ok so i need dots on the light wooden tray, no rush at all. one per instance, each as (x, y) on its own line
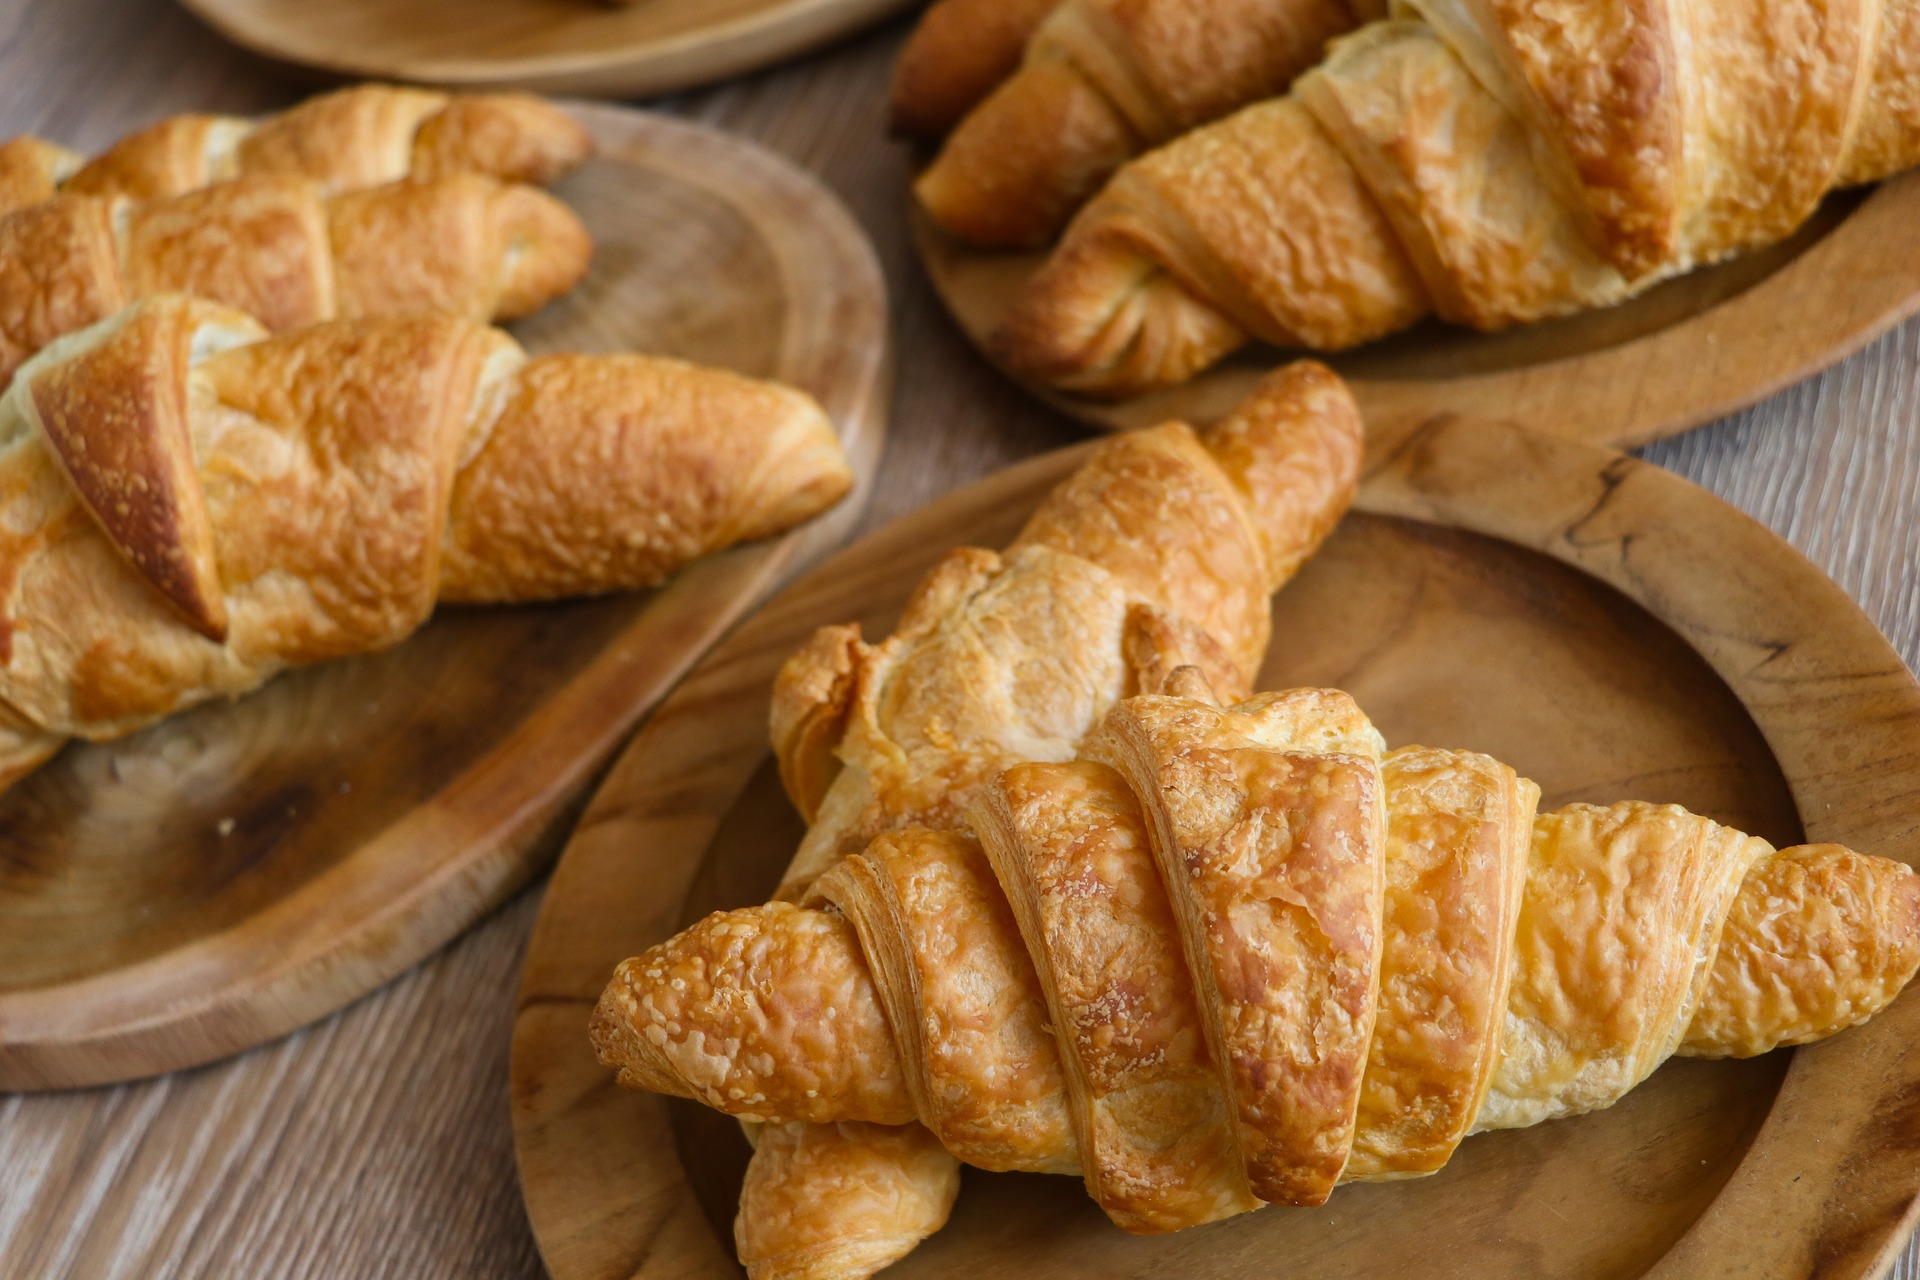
(1607, 628)
(246, 868)
(1687, 352)
(545, 46)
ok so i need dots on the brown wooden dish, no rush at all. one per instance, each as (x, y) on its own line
(545, 46)
(243, 869)
(1686, 352)
(1605, 626)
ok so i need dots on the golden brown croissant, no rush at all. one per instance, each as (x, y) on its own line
(1102, 81)
(192, 505)
(959, 51)
(363, 136)
(276, 249)
(1237, 955)
(1489, 163)
(1161, 550)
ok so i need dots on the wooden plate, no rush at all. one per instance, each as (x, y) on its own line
(1606, 627)
(1687, 352)
(546, 46)
(246, 868)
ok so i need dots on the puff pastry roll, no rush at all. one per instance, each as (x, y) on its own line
(1159, 552)
(958, 52)
(1276, 957)
(276, 249)
(1479, 160)
(193, 505)
(363, 136)
(1102, 81)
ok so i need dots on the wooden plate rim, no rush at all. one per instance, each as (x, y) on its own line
(1739, 351)
(1835, 703)
(642, 68)
(409, 890)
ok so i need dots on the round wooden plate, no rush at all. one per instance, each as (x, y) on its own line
(1686, 352)
(1606, 627)
(246, 868)
(546, 46)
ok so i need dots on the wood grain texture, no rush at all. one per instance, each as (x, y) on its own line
(1690, 350)
(377, 1142)
(232, 873)
(1608, 629)
(547, 46)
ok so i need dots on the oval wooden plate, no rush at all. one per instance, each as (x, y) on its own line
(1604, 626)
(546, 46)
(246, 868)
(1686, 352)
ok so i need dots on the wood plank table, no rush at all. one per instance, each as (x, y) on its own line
(376, 1143)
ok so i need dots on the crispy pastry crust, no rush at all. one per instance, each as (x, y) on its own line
(258, 245)
(1102, 81)
(834, 1202)
(672, 1020)
(1459, 828)
(961, 998)
(606, 473)
(1269, 828)
(171, 158)
(1819, 938)
(959, 51)
(1617, 931)
(1070, 847)
(270, 246)
(114, 416)
(31, 170)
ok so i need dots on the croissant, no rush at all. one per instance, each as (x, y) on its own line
(1102, 81)
(274, 248)
(192, 505)
(958, 52)
(1490, 162)
(1161, 550)
(1238, 955)
(363, 136)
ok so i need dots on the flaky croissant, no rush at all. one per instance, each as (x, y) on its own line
(1104, 80)
(1160, 550)
(1492, 162)
(363, 136)
(958, 52)
(276, 249)
(1237, 955)
(192, 505)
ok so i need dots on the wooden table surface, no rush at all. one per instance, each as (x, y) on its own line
(376, 1143)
